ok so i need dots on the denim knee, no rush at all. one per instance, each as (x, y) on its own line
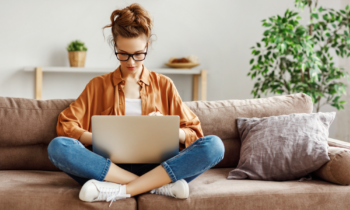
(53, 146)
(214, 147)
(56, 145)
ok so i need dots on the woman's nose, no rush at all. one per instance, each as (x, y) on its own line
(131, 61)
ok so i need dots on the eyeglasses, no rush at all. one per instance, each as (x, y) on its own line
(126, 56)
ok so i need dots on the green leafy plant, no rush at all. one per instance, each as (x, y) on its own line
(76, 46)
(294, 58)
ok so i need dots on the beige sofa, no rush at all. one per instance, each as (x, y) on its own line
(28, 180)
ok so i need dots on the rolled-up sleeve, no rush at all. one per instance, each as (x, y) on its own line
(189, 121)
(74, 120)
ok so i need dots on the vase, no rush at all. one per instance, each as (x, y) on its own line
(77, 58)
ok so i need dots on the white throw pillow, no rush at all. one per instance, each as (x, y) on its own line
(285, 147)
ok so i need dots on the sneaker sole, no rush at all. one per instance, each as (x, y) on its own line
(186, 187)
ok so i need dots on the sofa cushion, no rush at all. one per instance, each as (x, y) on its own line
(26, 128)
(29, 121)
(219, 117)
(35, 189)
(337, 170)
(211, 190)
(284, 147)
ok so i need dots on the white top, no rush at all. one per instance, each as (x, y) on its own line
(133, 106)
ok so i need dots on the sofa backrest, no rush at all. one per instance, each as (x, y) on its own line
(28, 125)
(26, 128)
(219, 117)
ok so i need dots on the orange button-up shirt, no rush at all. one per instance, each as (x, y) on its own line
(104, 95)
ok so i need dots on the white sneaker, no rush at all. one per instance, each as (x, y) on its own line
(178, 189)
(94, 190)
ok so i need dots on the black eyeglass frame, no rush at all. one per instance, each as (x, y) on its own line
(130, 55)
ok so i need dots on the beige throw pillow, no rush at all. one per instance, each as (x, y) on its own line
(280, 148)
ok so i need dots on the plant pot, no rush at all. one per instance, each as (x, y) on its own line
(77, 58)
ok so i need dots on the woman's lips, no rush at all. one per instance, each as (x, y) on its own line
(131, 68)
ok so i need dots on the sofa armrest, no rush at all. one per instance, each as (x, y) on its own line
(337, 170)
(338, 143)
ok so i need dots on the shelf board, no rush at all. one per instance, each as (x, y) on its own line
(107, 70)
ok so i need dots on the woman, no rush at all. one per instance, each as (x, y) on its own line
(131, 89)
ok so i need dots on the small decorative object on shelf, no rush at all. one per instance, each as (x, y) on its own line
(77, 53)
(183, 63)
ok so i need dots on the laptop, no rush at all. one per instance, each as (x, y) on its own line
(135, 139)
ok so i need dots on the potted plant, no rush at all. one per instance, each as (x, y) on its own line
(77, 53)
(292, 57)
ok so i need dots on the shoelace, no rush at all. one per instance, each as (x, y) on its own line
(111, 194)
(164, 190)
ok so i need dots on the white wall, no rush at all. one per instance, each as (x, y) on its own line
(220, 33)
(343, 120)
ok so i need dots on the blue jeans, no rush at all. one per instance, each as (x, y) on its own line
(71, 156)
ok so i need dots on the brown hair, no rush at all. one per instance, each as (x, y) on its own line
(131, 22)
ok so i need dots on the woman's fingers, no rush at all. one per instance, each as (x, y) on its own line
(157, 113)
(152, 113)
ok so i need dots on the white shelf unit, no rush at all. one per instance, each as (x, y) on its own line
(195, 72)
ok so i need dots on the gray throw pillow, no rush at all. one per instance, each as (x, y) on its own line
(284, 147)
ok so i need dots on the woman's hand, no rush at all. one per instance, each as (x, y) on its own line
(182, 135)
(157, 113)
(86, 138)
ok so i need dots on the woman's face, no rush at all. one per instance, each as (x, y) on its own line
(131, 46)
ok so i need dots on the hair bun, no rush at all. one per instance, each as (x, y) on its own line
(130, 22)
